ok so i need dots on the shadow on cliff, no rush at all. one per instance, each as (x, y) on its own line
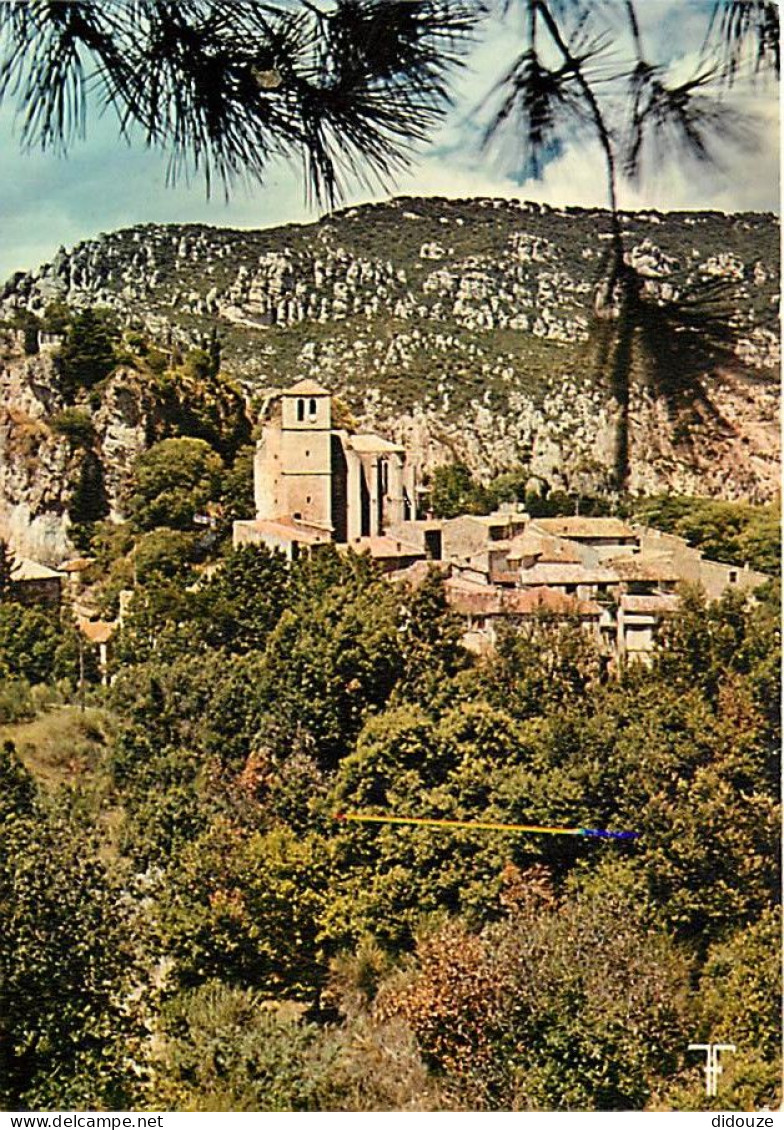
(675, 348)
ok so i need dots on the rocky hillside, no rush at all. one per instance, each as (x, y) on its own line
(465, 328)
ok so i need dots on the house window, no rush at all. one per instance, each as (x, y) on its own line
(312, 409)
(300, 410)
(733, 576)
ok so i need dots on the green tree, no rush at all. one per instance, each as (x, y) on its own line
(453, 491)
(68, 1034)
(342, 87)
(198, 364)
(30, 325)
(334, 655)
(225, 1049)
(164, 555)
(738, 1003)
(430, 643)
(18, 796)
(548, 663)
(246, 910)
(88, 502)
(75, 425)
(6, 571)
(741, 986)
(166, 799)
(57, 318)
(470, 764)
(237, 498)
(87, 355)
(173, 482)
(242, 602)
(581, 1006)
(29, 642)
(214, 352)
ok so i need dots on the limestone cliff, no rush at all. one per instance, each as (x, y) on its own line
(38, 466)
(462, 328)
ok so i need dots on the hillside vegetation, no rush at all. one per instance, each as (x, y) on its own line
(186, 924)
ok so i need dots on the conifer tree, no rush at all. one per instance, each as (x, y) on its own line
(6, 571)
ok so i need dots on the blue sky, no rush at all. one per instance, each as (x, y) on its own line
(46, 201)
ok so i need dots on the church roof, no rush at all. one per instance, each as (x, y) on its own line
(367, 442)
(307, 387)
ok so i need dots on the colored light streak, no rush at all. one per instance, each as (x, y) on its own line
(487, 826)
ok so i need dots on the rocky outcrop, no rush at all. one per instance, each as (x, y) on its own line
(459, 327)
(38, 466)
(34, 464)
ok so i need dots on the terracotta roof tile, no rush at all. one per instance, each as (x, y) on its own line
(416, 574)
(288, 529)
(546, 548)
(567, 574)
(367, 442)
(644, 568)
(657, 604)
(306, 387)
(580, 527)
(98, 631)
(489, 600)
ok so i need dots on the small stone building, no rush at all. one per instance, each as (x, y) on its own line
(36, 584)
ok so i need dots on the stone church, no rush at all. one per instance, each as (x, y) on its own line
(314, 482)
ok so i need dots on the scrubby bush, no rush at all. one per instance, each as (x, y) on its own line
(75, 425)
(16, 701)
(173, 482)
(87, 355)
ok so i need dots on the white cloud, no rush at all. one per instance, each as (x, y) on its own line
(104, 185)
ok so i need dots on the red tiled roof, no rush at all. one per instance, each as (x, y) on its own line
(655, 605)
(289, 529)
(545, 548)
(489, 600)
(567, 573)
(580, 527)
(98, 631)
(638, 568)
(306, 387)
(416, 574)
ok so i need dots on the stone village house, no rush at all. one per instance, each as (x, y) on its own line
(316, 483)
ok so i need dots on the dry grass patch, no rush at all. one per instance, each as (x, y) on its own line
(63, 745)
